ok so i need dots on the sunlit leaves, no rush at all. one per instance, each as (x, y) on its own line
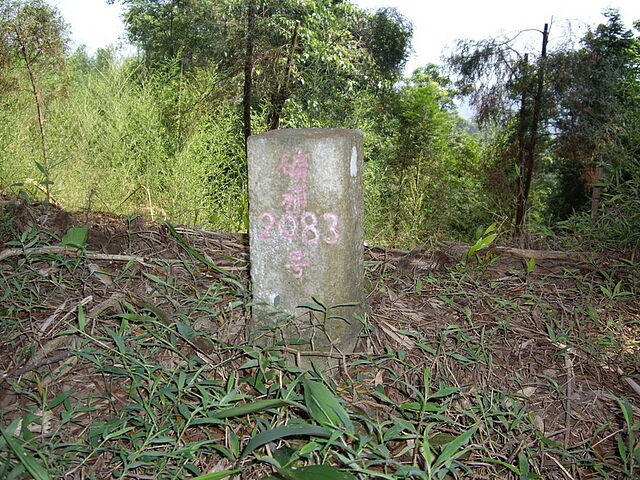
(35, 26)
(324, 407)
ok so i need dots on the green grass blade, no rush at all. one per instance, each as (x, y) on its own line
(300, 430)
(191, 251)
(315, 472)
(324, 407)
(218, 475)
(249, 408)
(28, 462)
(451, 451)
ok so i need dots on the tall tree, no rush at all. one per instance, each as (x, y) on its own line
(508, 89)
(387, 35)
(430, 163)
(33, 34)
(249, 61)
(528, 136)
(596, 89)
(191, 30)
(317, 51)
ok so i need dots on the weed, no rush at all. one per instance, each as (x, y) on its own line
(629, 441)
(484, 239)
(147, 375)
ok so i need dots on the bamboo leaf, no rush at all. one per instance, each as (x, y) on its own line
(312, 306)
(29, 462)
(82, 318)
(218, 475)
(249, 408)
(315, 472)
(451, 450)
(117, 339)
(76, 237)
(323, 406)
(484, 242)
(299, 430)
(41, 168)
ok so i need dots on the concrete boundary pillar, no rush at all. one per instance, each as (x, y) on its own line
(306, 230)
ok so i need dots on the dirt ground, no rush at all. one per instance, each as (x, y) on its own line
(560, 337)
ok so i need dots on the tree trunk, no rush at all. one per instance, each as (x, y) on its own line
(522, 147)
(597, 191)
(532, 147)
(44, 168)
(283, 91)
(248, 69)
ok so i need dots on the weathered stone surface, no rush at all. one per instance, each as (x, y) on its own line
(306, 216)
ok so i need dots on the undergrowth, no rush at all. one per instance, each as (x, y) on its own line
(136, 368)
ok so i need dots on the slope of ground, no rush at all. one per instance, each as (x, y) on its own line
(127, 359)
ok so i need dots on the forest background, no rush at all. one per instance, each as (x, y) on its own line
(550, 157)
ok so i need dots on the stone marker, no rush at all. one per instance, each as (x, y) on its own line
(306, 229)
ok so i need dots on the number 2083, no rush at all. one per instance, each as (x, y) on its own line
(306, 226)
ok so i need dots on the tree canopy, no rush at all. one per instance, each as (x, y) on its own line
(571, 108)
(554, 143)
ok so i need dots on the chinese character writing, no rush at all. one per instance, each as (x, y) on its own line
(296, 264)
(296, 166)
(295, 199)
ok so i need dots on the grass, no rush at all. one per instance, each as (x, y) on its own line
(136, 367)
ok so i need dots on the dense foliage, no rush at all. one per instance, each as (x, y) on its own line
(119, 366)
(164, 131)
(572, 113)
